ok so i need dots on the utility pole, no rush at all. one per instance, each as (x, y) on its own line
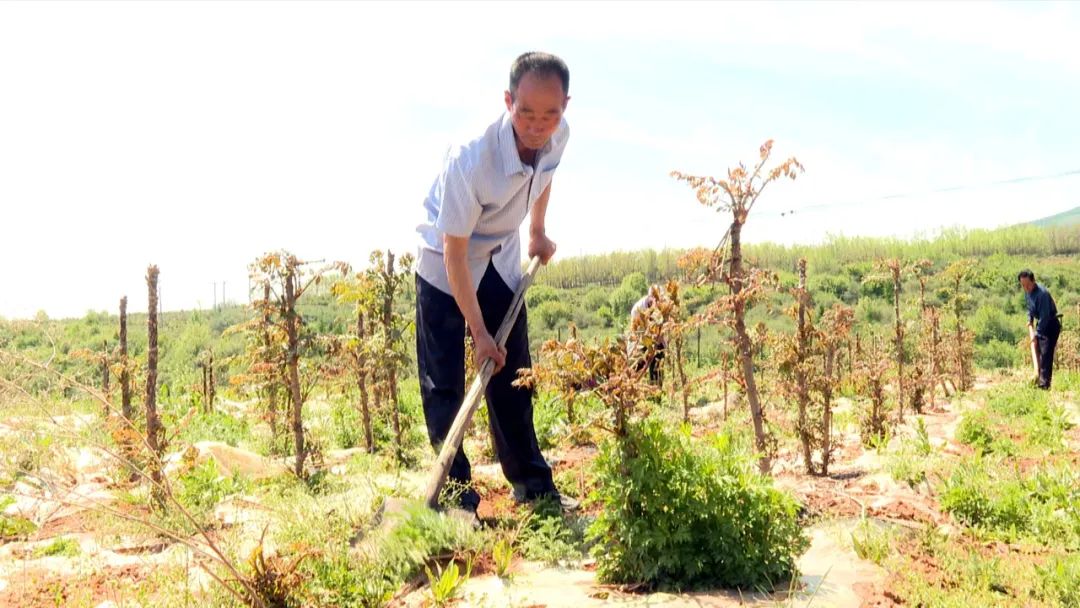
(223, 294)
(215, 296)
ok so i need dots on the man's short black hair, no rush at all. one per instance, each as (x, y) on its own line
(541, 64)
(1026, 274)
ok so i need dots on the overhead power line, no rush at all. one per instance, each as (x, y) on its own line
(907, 195)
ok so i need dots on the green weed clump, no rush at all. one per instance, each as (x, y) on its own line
(1059, 581)
(1017, 401)
(397, 552)
(446, 583)
(548, 536)
(1029, 410)
(348, 429)
(680, 513)
(1002, 503)
(13, 526)
(202, 487)
(214, 426)
(977, 430)
(974, 430)
(915, 457)
(63, 547)
(872, 542)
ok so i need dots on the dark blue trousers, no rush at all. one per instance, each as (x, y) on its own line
(440, 357)
(1047, 343)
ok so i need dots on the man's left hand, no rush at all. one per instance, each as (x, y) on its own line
(540, 245)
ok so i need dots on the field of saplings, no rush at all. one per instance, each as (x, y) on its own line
(847, 424)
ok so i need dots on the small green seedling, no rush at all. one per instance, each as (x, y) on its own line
(447, 584)
(503, 555)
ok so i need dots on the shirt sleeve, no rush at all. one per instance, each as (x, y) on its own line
(459, 209)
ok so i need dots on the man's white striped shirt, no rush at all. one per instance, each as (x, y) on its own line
(485, 192)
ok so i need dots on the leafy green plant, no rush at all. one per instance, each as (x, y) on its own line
(202, 487)
(548, 420)
(633, 286)
(215, 426)
(502, 555)
(982, 574)
(607, 317)
(553, 313)
(1068, 380)
(574, 482)
(908, 466)
(539, 294)
(348, 430)
(13, 526)
(1046, 427)
(392, 555)
(990, 324)
(447, 584)
(963, 578)
(922, 444)
(420, 534)
(976, 430)
(871, 541)
(1043, 423)
(1044, 506)
(66, 547)
(997, 355)
(978, 499)
(547, 536)
(1053, 497)
(346, 583)
(1003, 446)
(1015, 402)
(682, 514)
(595, 298)
(870, 311)
(1059, 581)
(878, 442)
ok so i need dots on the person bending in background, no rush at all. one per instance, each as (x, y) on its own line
(1041, 307)
(642, 308)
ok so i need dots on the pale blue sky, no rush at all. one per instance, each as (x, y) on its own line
(212, 132)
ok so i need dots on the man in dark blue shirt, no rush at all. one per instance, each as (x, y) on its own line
(1041, 306)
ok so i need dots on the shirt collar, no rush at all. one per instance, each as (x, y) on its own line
(508, 147)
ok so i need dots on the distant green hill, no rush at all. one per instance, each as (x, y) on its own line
(1065, 218)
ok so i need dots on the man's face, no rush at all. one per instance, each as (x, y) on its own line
(1027, 284)
(537, 108)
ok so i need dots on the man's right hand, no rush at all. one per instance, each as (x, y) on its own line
(485, 348)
